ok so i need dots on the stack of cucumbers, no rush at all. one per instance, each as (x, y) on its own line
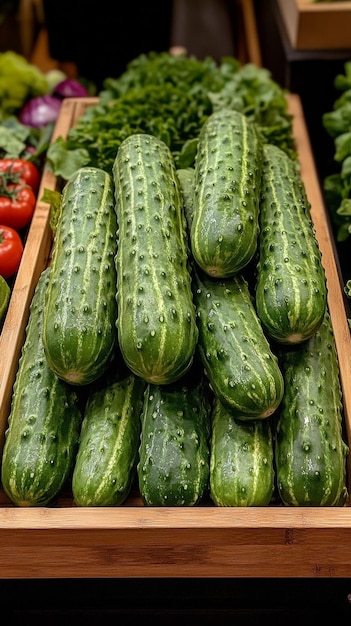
(185, 317)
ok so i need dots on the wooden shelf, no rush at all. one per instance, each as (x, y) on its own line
(317, 25)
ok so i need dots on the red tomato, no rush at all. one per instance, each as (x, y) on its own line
(20, 170)
(17, 204)
(11, 250)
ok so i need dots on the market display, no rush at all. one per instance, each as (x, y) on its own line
(203, 360)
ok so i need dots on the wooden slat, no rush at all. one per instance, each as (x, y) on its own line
(317, 25)
(251, 32)
(153, 542)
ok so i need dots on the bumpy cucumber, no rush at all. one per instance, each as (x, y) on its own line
(156, 316)
(310, 451)
(80, 312)
(241, 464)
(291, 287)
(44, 422)
(241, 367)
(186, 177)
(109, 441)
(173, 468)
(226, 194)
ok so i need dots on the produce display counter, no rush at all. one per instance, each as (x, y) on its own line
(132, 540)
(303, 70)
(317, 25)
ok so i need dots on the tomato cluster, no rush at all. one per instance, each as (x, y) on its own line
(19, 185)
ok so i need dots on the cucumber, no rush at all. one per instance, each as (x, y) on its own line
(186, 177)
(41, 439)
(291, 291)
(310, 451)
(79, 332)
(242, 369)
(228, 166)
(241, 463)
(174, 455)
(156, 323)
(5, 294)
(109, 441)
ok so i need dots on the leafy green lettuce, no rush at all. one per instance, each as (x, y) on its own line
(337, 186)
(171, 97)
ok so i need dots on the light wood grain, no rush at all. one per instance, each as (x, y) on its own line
(317, 25)
(65, 541)
(251, 32)
(176, 543)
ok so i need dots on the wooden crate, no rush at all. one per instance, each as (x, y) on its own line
(66, 541)
(317, 25)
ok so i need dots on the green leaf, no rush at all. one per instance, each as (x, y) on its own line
(186, 157)
(338, 121)
(343, 232)
(54, 199)
(345, 207)
(346, 167)
(65, 162)
(342, 147)
(10, 146)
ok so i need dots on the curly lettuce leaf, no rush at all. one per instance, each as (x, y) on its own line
(171, 97)
(64, 161)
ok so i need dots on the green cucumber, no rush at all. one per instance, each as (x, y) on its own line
(174, 455)
(109, 442)
(310, 451)
(228, 165)
(41, 439)
(242, 369)
(156, 323)
(80, 311)
(186, 177)
(5, 294)
(241, 464)
(291, 291)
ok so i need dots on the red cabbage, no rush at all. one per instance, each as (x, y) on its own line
(70, 88)
(40, 111)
